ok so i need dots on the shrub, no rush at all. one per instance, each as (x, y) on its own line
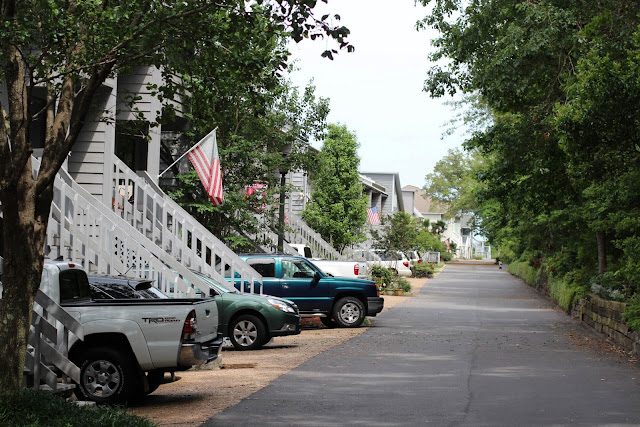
(400, 282)
(631, 314)
(564, 292)
(32, 408)
(446, 256)
(421, 270)
(381, 275)
(609, 286)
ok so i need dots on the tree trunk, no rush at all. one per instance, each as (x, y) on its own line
(602, 254)
(23, 242)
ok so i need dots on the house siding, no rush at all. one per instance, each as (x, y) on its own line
(148, 105)
(391, 204)
(92, 152)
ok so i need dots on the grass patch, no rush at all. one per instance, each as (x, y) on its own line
(39, 409)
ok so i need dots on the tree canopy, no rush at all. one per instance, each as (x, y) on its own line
(560, 79)
(338, 207)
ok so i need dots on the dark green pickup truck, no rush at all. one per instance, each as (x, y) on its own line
(338, 301)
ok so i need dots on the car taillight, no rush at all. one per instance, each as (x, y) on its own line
(190, 326)
(356, 269)
(405, 263)
(419, 261)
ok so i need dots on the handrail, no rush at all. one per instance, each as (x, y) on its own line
(87, 232)
(302, 233)
(50, 344)
(148, 209)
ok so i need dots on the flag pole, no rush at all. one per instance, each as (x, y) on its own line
(188, 151)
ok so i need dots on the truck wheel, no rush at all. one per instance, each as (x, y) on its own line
(107, 377)
(348, 312)
(247, 332)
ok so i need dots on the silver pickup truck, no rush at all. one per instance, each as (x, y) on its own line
(129, 344)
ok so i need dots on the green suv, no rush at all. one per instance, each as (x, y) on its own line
(249, 320)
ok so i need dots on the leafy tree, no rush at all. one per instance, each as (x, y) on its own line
(453, 181)
(338, 207)
(69, 48)
(251, 150)
(561, 82)
(427, 241)
(399, 233)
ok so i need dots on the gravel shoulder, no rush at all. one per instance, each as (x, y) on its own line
(199, 394)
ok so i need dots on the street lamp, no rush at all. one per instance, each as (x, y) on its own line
(283, 169)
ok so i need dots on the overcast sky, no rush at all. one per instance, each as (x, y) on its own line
(377, 90)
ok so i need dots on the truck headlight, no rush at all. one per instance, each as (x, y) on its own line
(281, 305)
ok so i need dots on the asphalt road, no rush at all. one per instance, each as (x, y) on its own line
(476, 347)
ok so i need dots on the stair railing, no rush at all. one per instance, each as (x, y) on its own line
(147, 208)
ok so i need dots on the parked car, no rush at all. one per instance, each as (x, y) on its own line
(414, 258)
(249, 320)
(129, 345)
(395, 260)
(336, 268)
(337, 301)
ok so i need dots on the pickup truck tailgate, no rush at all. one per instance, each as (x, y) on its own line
(207, 318)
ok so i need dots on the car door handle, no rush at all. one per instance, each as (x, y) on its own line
(285, 285)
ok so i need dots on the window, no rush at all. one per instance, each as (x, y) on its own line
(296, 268)
(265, 266)
(74, 285)
(131, 143)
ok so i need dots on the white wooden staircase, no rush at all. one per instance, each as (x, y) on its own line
(143, 233)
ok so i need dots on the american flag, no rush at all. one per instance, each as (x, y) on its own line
(204, 158)
(373, 215)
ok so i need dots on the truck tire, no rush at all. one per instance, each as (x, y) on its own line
(107, 377)
(348, 312)
(247, 332)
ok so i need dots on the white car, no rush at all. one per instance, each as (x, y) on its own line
(414, 257)
(395, 260)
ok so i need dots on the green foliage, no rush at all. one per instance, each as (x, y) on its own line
(399, 233)
(400, 282)
(446, 256)
(610, 286)
(564, 290)
(429, 242)
(561, 161)
(564, 293)
(423, 269)
(27, 407)
(453, 182)
(338, 207)
(631, 314)
(250, 144)
(525, 271)
(381, 275)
